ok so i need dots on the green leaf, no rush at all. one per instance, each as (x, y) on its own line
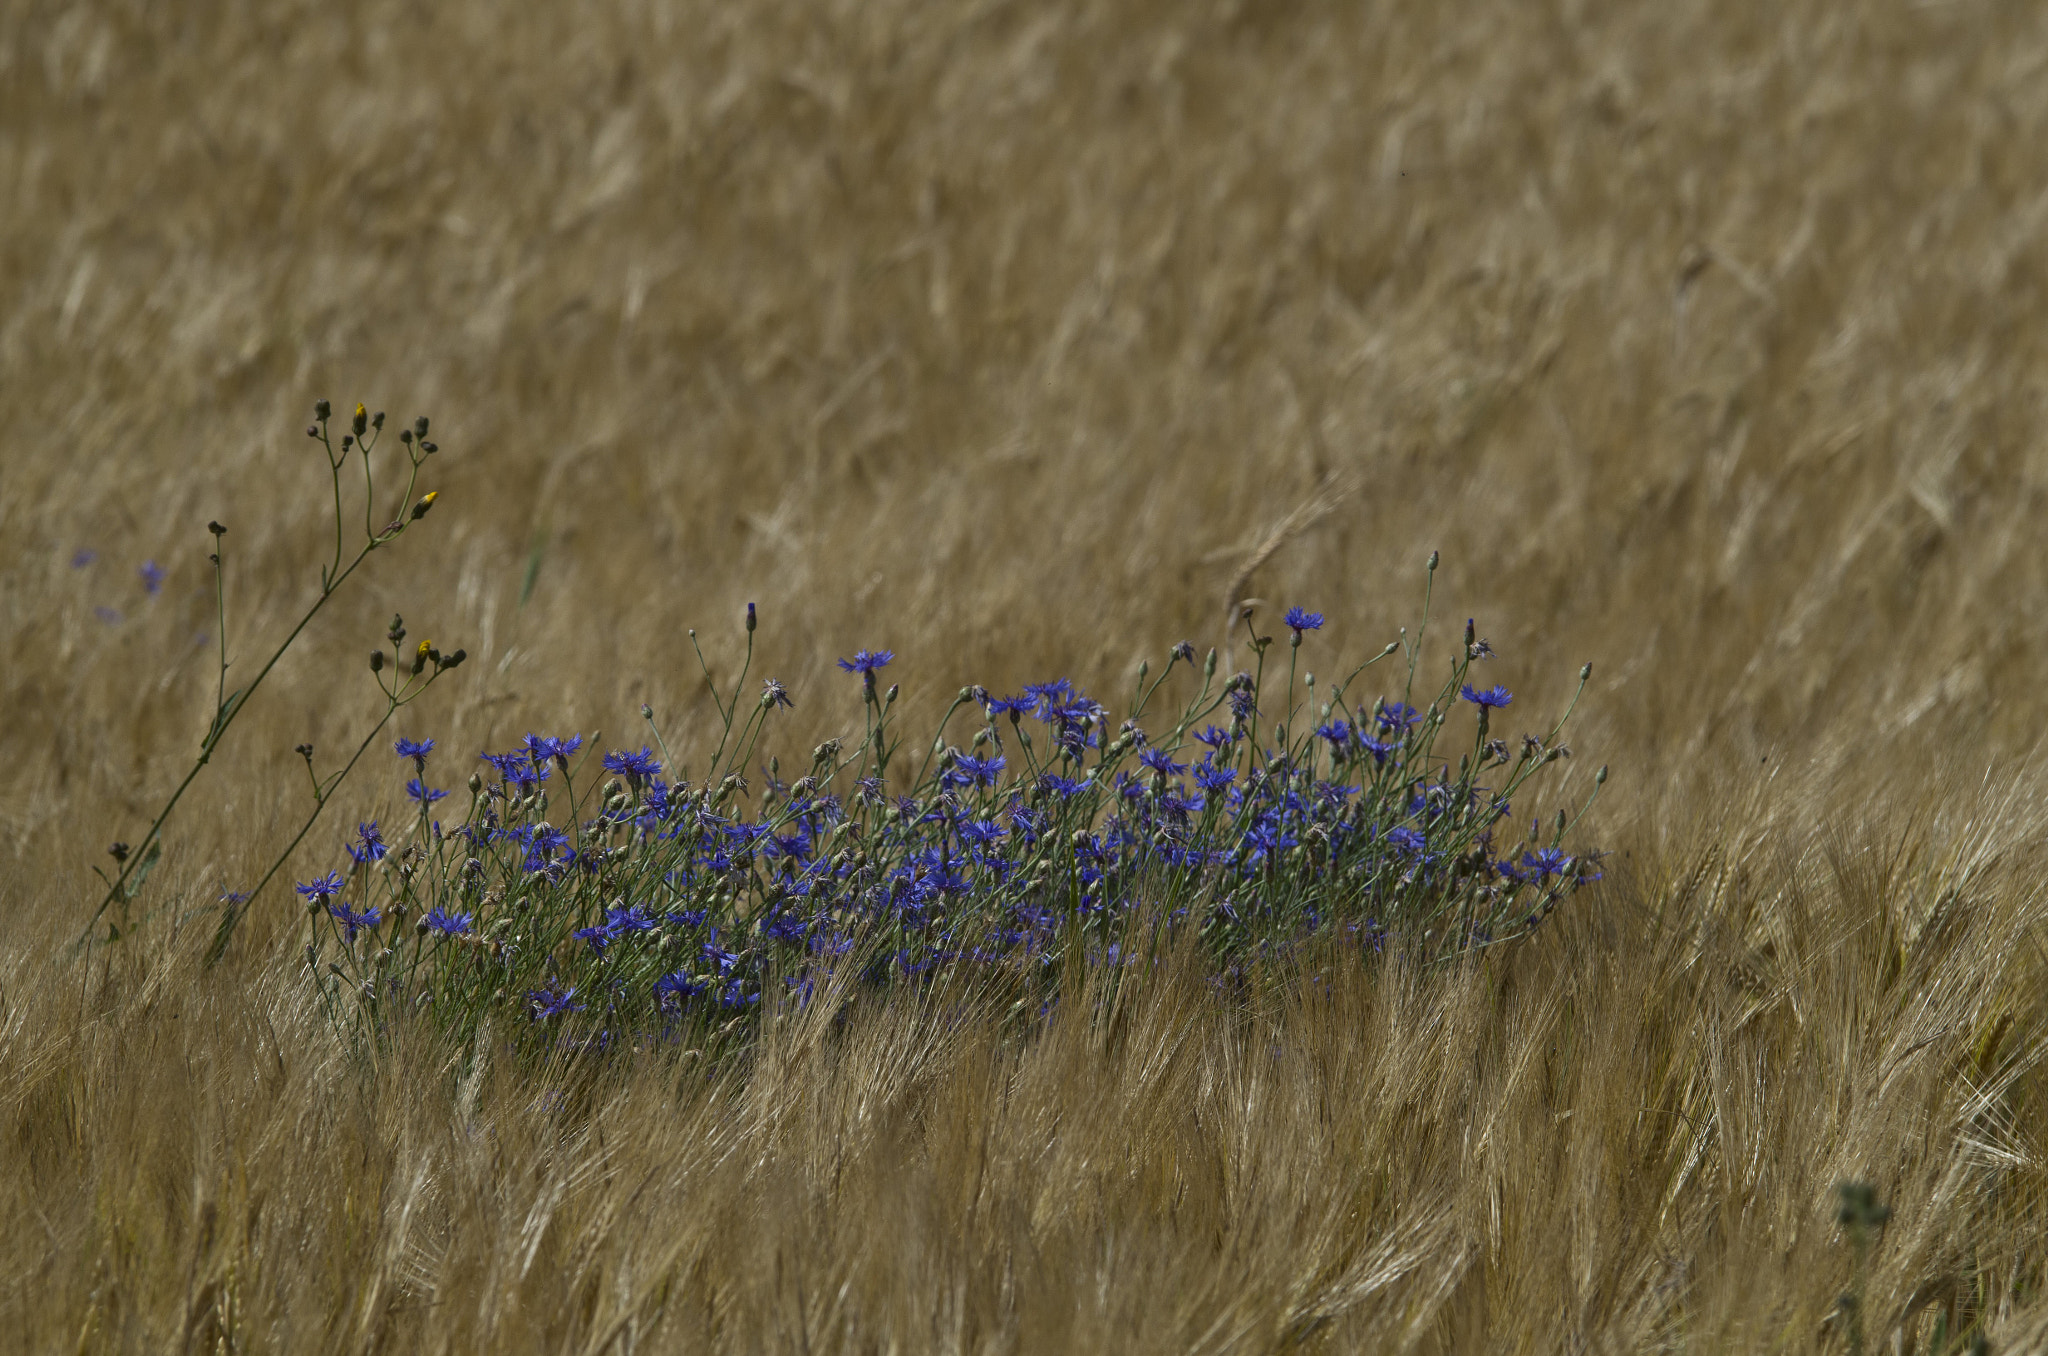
(143, 868)
(222, 716)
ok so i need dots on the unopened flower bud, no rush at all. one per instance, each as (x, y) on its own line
(889, 697)
(476, 784)
(419, 510)
(361, 421)
(377, 421)
(1600, 777)
(312, 957)
(1432, 562)
(750, 619)
(405, 436)
(1585, 673)
(376, 661)
(1209, 665)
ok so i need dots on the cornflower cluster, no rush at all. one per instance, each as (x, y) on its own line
(657, 905)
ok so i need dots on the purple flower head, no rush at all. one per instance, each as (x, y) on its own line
(541, 748)
(369, 845)
(1162, 762)
(415, 749)
(424, 794)
(867, 661)
(1395, 716)
(152, 577)
(1408, 840)
(1338, 732)
(1299, 621)
(1492, 698)
(551, 1002)
(967, 770)
(1066, 788)
(620, 921)
(1546, 863)
(1215, 737)
(351, 921)
(449, 924)
(635, 767)
(517, 769)
(321, 887)
(774, 694)
(677, 987)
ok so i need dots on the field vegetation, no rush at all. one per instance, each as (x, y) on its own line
(1702, 340)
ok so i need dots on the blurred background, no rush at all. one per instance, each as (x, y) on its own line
(1024, 340)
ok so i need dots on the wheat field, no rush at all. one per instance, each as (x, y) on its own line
(1703, 341)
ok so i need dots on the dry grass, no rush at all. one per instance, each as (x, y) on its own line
(1703, 339)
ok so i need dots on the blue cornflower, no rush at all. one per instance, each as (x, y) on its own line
(1298, 621)
(633, 766)
(351, 921)
(1338, 732)
(517, 769)
(1215, 737)
(1268, 839)
(1493, 697)
(551, 1002)
(1059, 692)
(598, 937)
(424, 794)
(967, 770)
(415, 749)
(1244, 698)
(541, 748)
(867, 661)
(1395, 716)
(1162, 762)
(449, 924)
(1066, 788)
(981, 832)
(774, 694)
(1378, 748)
(1008, 706)
(369, 845)
(1410, 841)
(321, 887)
(152, 577)
(1212, 778)
(1547, 863)
(678, 986)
